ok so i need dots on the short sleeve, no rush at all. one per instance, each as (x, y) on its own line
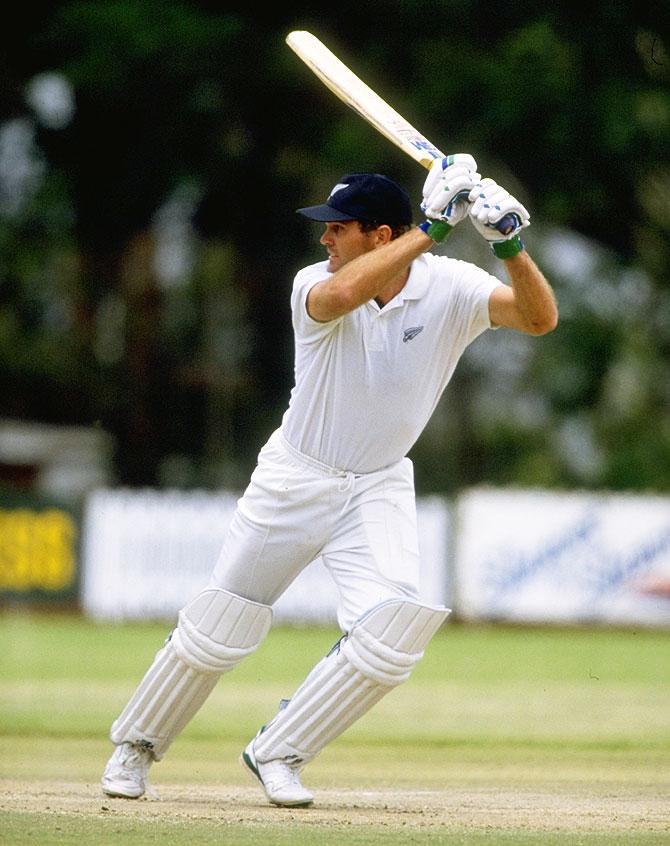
(305, 327)
(475, 289)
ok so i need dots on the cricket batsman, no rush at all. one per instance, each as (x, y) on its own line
(379, 327)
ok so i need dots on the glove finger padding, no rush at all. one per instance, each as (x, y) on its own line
(439, 166)
(447, 186)
(486, 202)
(489, 203)
(510, 205)
(455, 184)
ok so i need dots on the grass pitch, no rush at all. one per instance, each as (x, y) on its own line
(501, 736)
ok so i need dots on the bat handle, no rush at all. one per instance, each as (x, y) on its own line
(507, 224)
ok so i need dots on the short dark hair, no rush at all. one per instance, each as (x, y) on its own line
(396, 231)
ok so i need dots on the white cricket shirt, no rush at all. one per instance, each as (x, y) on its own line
(367, 383)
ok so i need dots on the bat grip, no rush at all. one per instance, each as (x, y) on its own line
(507, 224)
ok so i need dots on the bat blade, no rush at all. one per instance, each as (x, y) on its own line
(351, 89)
(344, 83)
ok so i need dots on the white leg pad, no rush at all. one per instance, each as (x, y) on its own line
(378, 654)
(216, 630)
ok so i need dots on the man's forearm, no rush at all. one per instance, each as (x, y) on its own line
(365, 277)
(534, 297)
(370, 273)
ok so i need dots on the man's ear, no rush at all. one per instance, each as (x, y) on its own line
(383, 234)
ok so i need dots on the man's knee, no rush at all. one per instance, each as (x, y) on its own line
(388, 642)
(217, 629)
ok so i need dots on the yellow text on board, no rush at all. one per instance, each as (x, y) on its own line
(37, 550)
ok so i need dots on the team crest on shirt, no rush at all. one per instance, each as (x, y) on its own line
(412, 332)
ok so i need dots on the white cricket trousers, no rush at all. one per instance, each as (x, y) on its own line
(295, 509)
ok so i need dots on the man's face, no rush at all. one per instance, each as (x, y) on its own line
(344, 241)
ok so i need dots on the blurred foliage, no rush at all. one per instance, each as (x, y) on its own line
(148, 244)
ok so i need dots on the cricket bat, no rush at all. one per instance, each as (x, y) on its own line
(344, 83)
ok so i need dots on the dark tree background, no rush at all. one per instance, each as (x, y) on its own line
(148, 240)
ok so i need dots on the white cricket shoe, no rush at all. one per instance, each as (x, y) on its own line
(279, 780)
(127, 772)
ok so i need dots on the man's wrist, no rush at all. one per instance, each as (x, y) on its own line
(436, 229)
(507, 249)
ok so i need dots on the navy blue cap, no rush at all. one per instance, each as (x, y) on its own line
(368, 197)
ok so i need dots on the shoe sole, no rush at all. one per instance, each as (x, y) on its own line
(116, 794)
(249, 767)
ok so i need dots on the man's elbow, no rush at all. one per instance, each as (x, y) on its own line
(543, 325)
(325, 303)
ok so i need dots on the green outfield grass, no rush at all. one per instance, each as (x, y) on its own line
(503, 735)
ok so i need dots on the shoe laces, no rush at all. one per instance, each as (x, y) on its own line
(135, 758)
(281, 774)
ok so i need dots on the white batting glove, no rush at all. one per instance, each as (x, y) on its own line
(490, 203)
(445, 193)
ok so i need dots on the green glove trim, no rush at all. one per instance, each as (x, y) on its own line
(436, 229)
(507, 249)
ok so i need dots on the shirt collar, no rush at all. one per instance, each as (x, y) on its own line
(416, 285)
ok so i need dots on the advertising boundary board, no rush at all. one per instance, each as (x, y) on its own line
(534, 556)
(525, 556)
(40, 551)
(146, 553)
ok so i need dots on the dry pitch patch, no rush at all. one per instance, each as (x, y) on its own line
(481, 808)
